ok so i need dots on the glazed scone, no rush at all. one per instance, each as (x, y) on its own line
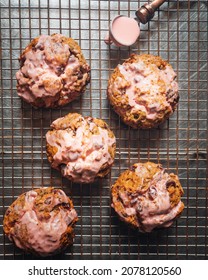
(143, 91)
(53, 71)
(82, 148)
(41, 221)
(146, 197)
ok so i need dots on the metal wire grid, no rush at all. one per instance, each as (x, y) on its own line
(178, 33)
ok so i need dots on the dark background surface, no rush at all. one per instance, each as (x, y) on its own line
(177, 33)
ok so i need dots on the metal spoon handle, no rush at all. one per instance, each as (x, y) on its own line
(147, 11)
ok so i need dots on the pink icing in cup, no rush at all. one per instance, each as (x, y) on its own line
(124, 31)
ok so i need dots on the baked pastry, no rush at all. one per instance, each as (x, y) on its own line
(53, 71)
(143, 91)
(146, 197)
(82, 148)
(41, 221)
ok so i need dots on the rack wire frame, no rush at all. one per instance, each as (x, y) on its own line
(178, 33)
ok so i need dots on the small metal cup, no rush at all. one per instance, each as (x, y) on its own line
(144, 14)
(111, 38)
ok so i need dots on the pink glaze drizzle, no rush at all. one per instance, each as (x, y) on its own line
(153, 207)
(142, 88)
(82, 156)
(43, 235)
(39, 76)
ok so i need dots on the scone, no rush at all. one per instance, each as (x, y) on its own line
(53, 71)
(143, 91)
(41, 221)
(146, 197)
(82, 148)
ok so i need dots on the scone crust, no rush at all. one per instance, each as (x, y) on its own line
(139, 187)
(143, 91)
(28, 218)
(70, 126)
(53, 71)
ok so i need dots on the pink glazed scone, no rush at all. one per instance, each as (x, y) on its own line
(41, 221)
(143, 91)
(82, 148)
(53, 71)
(146, 197)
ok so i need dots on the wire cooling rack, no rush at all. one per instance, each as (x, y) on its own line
(178, 33)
